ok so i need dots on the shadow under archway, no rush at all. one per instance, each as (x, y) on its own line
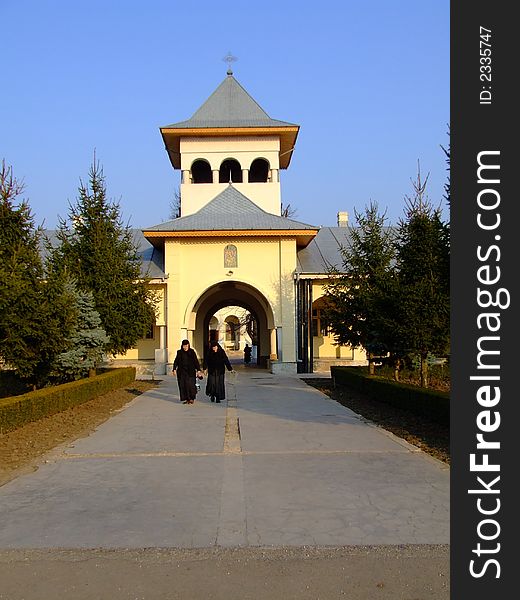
(234, 293)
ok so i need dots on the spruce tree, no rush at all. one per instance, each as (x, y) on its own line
(57, 318)
(35, 317)
(423, 256)
(447, 185)
(356, 294)
(98, 252)
(86, 342)
(20, 276)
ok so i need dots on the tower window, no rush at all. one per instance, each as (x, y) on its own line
(230, 170)
(201, 172)
(259, 171)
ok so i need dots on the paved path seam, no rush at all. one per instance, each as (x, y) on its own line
(232, 519)
(232, 443)
(224, 452)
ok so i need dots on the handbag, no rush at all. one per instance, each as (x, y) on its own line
(197, 384)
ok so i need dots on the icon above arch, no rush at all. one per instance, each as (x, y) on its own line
(230, 256)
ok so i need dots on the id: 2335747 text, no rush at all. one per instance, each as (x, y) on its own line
(485, 65)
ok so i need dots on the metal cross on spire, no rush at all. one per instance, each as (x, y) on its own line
(229, 59)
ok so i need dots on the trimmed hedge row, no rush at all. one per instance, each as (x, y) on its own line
(431, 404)
(19, 410)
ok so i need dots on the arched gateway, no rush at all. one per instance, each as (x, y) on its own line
(231, 246)
(236, 293)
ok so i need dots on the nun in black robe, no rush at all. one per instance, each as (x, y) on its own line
(186, 366)
(216, 363)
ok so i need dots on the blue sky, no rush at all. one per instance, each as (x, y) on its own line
(368, 82)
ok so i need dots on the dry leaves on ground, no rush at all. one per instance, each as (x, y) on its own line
(21, 449)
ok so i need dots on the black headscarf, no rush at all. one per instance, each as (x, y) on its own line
(185, 355)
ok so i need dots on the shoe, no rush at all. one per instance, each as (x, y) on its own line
(185, 401)
(191, 401)
(218, 401)
(213, 398)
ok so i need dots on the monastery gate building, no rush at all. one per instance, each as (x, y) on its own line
(231, 246)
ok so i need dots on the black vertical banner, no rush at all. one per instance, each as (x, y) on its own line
(485, 423)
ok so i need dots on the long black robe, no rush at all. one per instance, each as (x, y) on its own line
(216, 363)
(186, 364)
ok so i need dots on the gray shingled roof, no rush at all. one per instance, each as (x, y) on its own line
(230, 210)
(152, 260)
(324, 251)
(229, 106)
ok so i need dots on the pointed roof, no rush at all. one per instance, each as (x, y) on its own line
(230, 106)
(230, 110)
(231, 212)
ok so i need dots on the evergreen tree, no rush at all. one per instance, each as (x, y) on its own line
(20, 276)
(356, 295)
(423, 257)
(35, 317)
(447, 185)
(57, 317)
(98, 252)
(86, 342)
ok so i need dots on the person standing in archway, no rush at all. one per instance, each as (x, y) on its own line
(186, 366)
(216, 363)
(247, 354)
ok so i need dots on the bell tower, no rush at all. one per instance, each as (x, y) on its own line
(230, 139)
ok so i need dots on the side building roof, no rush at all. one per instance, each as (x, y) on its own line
(152, 259)
(324, 251)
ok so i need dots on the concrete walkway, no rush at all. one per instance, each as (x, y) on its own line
(278, 464)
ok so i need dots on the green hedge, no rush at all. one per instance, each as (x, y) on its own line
(19, 410)
(431, 404)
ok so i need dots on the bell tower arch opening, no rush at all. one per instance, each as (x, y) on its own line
(201, 171)
(259, 171)
(230, 171)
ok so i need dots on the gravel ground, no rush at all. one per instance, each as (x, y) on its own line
(347, 573)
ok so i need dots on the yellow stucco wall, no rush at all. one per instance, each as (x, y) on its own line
(145, 349)
(160, 293)
(195, 265)
(324, 347)
(266, 266)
